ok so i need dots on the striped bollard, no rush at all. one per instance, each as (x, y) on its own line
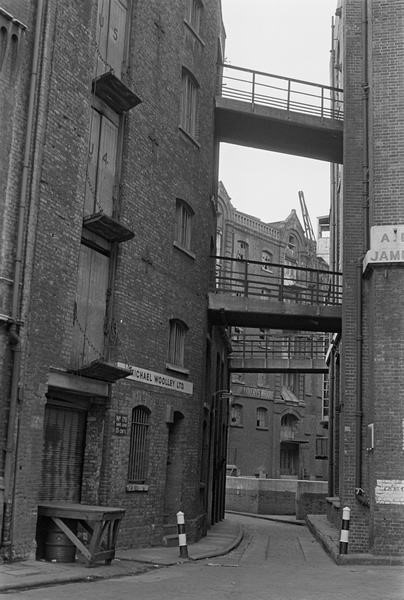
(182, 537)
(343, 540)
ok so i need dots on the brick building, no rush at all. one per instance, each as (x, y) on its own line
(277, 420)
(110, 371)
(367, 216)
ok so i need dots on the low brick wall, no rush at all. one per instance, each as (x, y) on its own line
(276, 496)
(311, 498)
(334, 513)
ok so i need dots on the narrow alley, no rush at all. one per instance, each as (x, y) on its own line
(274, 561)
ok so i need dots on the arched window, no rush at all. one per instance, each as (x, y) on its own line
(262, 418)
(176, 344)
(288, 426)
(139, 445)
(236, 415)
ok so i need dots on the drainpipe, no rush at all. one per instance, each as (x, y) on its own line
(360, 494)
(331, 441)
(14, 329)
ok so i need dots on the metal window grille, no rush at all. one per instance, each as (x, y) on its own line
(177, 343)
(139, 445)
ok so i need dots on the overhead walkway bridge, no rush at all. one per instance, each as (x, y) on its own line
(276, 113)
(248, 293)
(268, 353)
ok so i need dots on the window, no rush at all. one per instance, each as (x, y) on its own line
(325, 398)
(290, 274)
(322, 448)
(101, 166)
(292, 243)
(242, 250)
(176, 344)
(236, 415)
(194, 13)
(183, 224)
(266, 257)
(289, 425)
(262, 418)
(189, 101)
(139, 445)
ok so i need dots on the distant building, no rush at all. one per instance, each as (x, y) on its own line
(323, 238)
(277, 425)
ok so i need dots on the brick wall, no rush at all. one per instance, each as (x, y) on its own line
(380, 527)
(154, 280)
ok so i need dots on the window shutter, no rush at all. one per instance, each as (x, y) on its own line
(116, 35)
(88, 336)
(63, 454)
(102, 35)
(91, 183)
(106, 164)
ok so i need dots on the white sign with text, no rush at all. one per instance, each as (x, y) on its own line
(386, 245)
(159, 379)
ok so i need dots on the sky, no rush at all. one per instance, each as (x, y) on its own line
(290, 38)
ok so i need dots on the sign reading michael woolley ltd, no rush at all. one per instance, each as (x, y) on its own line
(386, 245)
(160, 380)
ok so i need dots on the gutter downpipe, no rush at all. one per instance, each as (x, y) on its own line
(360, 494)
(331, 402)
(14, 329)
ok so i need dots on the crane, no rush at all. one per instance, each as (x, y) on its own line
(308, 227)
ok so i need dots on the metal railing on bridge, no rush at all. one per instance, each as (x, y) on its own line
(266, 89)
(273, 281)
(270, 347)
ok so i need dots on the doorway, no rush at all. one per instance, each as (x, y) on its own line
(175, 468)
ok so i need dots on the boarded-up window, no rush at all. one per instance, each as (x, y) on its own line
(176, 345)
(90, 309)
(63, 453)
(111, 31)
(189, 100)
(101, 165)
(139, 445)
